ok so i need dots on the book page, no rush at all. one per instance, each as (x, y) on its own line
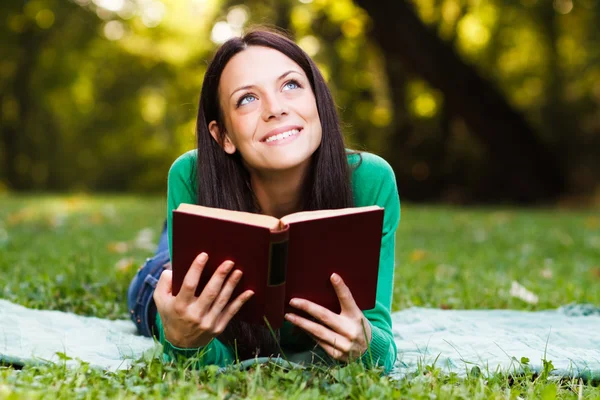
(264, 221)
(319, 214)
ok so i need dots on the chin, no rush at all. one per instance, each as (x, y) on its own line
(289, 163)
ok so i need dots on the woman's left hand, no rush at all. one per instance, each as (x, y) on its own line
(345, 336)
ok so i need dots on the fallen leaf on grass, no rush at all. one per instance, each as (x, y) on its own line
(118, 247)
(520, 292)
(501, 217)
(480, 235)
(57, 220)
(124, 264)
(445, 272)
(546, 273)
(592, 223)
(144, 239)
(417, 255)
(96, 218)
(109, 211)
(3, 237)
(22, 215)
(593, 241)
(75, 203)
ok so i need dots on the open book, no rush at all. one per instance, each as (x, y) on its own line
(282, 258)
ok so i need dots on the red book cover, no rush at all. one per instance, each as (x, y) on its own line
(282, 259)
(347, 245)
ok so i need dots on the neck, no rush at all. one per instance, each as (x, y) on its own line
(279, 193)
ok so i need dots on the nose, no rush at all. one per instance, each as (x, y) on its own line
(273, 107)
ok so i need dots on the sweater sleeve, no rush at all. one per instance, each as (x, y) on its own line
(374, 183)
(181, 189)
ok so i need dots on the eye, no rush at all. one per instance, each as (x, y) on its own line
(246, 99)
(291, 85)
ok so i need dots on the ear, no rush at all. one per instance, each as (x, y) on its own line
(215, 132)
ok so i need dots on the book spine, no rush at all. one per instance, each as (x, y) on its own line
(276, 277)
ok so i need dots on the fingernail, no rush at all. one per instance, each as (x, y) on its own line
(293, 302)
(289, 317)
(202, 257)
(335, 278)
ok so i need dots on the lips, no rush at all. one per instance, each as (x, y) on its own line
(281, 133)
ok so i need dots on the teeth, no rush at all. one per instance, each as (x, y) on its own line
(282, 135)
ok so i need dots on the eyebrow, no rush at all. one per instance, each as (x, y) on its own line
(251, 86)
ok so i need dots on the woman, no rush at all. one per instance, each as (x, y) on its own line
(268, 142)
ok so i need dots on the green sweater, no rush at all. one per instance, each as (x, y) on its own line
(373, 183)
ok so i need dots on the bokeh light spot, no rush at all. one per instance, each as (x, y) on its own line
(114, 30)
(381, 116)
(110, 5)
(424, 105)
(352, 27)
(44, 19)
(221, 32)
(310, 45)
(563, 6)
(472, 34)
(237, 17)
(153, 106)
(153, 13)
(301, 17)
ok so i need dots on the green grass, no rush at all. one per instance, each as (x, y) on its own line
(78, 254)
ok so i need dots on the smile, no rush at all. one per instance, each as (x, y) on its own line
(283, 135)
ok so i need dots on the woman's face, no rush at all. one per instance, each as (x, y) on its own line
(269, 109)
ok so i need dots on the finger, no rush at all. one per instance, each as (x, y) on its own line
(225, 294)
(213, 287)
(333, 351)
(163, 288)
(327, 317)
(344, 295)
(320, 332)
(232, 309)
(192, 278)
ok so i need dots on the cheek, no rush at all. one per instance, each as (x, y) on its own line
(315, 120)
(310, 111)
(242, 128)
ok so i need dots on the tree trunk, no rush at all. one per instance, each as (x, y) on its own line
(524, 168)
(13, 131)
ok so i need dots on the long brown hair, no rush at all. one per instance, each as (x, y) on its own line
(222, 180)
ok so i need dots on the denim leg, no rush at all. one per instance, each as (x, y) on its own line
(140, 302)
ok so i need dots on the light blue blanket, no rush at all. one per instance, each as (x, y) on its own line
(456, 340)
(497, 340)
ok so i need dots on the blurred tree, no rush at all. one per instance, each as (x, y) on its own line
(96, 98)
(521, 166)
(469, 100)
(29, 30)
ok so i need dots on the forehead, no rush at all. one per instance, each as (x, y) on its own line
(255, 65)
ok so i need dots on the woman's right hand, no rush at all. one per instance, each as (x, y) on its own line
(190, 321)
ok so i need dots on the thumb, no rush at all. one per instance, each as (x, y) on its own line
(165, 283)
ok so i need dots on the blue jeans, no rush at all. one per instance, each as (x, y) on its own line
(140, 302)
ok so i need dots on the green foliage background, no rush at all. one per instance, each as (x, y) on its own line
(102, 95)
